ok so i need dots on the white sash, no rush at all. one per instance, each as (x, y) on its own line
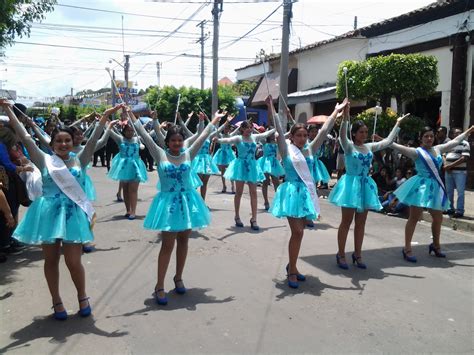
(69, 185)
(428, 160)
(299, 163)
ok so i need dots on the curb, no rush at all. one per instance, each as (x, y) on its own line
(453, 223)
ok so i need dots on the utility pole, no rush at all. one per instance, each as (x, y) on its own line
(201, 40)
(113, 89)
(72, 92)
(126, 69)
(215, 53)
(355, 22)
(158, 72)
(285, 43)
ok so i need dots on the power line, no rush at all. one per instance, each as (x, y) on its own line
(184, 55)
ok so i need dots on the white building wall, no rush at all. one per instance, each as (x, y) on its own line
(318, 67)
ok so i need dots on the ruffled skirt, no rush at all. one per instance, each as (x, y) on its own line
(422, 192)
(177, 211)
(245, 170)
(223, 156)
(127, 169)
(203, 164)
(319, 172)
(353, 191)
(292, 199)
(51, 218)
(271, 165)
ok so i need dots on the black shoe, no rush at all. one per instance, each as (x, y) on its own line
(458, 215)
(449, 212)
(3, 257)
(13, 250)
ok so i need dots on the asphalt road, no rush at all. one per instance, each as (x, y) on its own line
(238, 300)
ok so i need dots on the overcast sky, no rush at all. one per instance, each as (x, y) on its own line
(168, 30)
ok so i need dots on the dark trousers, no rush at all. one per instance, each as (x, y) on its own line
(100, 153)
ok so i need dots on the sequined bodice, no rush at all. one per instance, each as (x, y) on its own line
(270, 150)
(246, 150)
(50, 189)
(175, 178)
(290, 172)
(129, 150)
(422, 170)
(357, 163)
(205, 147)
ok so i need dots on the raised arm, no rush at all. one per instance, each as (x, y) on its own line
(222, 126)
(281, 141)
(446, 147)
(190, 140)
(190, 115)
(36, 155)
(346, 144)
(194, 148)
(160, 137)
(86, 154)
(327, 126)
(384, 143)
(187, 131)
(406, 151)
(103, 140)
(155, 150)
(262, 136)
(42, 136)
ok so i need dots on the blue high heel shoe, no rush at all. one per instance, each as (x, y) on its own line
(180, 290)
(238, 222)
(299, 277)
(162, 301)
(437, 251)
(86, 311)
(293, 284)
(342, 264)
(62, 315)
(254, 226)
(410, 258)
(358, 261)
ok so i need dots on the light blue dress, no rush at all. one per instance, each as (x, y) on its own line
(202, 162)
(244, 167)
(89, 187)
(177, 206)
(269, 163)
(292, 198)
(224, 155)
(127, 165)
(422, 190)
(54, 216)
(356, 189)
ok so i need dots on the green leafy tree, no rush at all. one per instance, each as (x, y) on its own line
(164, 99)
(16, 17)
(404, 76)
(245, 87)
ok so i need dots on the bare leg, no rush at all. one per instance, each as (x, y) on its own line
(133, 196)
(72, 256)
(222, 170)
(276, 182)
(126, 196)
(119, 192)
(415, 214)
(297, 231)
(205, 180)
(436, 227)
(346, 221)
(265, 184)
(167, 246)
(253, 200)
(181, 252)
(239, 189)
(52, 254)
(359, 230)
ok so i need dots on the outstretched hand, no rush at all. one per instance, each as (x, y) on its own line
(114, 109)
(230, 118)
(217, 117)
(340, 106)
(400, 119)
(5, 103)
